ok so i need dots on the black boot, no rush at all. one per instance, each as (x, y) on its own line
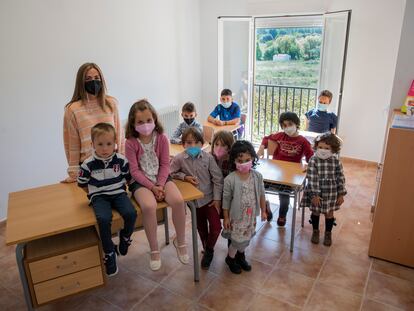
(241, 260)
(207, 258)
(233, 265)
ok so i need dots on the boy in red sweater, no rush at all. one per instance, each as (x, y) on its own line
(290, 147)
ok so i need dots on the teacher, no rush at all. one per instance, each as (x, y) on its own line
(89, 105)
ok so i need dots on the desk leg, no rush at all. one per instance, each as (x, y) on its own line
(195, 243)
(303, 217)
(22, 273)
(167, 233)
(292, 236)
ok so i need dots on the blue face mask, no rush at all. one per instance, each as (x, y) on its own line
(322, 107)
(193, 151)
(226, 105)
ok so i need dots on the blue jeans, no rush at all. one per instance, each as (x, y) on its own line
(102, 206)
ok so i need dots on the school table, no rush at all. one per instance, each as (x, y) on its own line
(287, 178)
(60, 208)
(178, 148)
(218, 128)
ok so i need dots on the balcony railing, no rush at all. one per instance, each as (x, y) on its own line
(271, 100)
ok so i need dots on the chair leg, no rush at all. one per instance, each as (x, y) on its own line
(167, 233)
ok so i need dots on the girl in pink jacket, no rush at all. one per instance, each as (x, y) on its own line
(147, 150)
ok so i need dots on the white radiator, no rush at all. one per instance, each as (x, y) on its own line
(169, 118)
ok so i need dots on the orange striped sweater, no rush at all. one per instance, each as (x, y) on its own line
(78, 120)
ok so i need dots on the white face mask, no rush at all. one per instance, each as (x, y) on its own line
(290, 130)
(226, 105)
(323, 154)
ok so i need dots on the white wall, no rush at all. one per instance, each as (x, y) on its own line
(145, 48)
(372, 56)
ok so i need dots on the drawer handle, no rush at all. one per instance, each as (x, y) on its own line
(63, 288)
(70, 265)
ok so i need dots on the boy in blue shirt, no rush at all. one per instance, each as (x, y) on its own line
(228, 111)
(319, 120)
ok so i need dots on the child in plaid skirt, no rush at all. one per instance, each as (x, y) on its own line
(325, 190)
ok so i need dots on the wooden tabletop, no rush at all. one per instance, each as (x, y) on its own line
(53, 209)
(282, 172)
(178, 148)
(218, 128)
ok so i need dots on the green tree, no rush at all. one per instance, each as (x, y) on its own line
(268, 54)
(259, 53)
(287, 45)
(310, 47)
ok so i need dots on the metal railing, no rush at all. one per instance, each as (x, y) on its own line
(271, 100)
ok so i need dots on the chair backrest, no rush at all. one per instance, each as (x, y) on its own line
(243, 118)
(271, 147)
(208, 134)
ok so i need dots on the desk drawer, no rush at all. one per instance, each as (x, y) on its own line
(60, 265)
(68, 285)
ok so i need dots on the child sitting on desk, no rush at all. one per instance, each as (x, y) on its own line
(319, 120)
(188, 112)
(290, 146)
(147, 150)
(200, 169)
(103, 176)
(228, 111)
(325, 190)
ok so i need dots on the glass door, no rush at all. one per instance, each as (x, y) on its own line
(235, 62)
(335, 42)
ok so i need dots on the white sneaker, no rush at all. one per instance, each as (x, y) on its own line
(155, 264)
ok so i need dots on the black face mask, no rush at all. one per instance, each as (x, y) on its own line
(93, 86)
(189, 121)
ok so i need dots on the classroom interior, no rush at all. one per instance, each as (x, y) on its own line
(166, 51)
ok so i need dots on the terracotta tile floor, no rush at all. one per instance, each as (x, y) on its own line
(313, 277)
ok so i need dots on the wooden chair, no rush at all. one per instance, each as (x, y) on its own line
(271, 147)
(208, 133)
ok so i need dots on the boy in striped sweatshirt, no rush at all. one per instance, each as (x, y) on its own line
(103, 176)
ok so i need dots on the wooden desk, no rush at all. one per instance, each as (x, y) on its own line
(58, 208)
(283, 173)
(178, 148)
(218, 128)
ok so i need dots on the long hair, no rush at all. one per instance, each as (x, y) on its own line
(226, 137)
(80, 93)
(239, 147)
(141, 105)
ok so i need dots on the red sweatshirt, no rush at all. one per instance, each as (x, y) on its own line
(290, 149)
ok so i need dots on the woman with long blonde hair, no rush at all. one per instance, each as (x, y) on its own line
(89, 105)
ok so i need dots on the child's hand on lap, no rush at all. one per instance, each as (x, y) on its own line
(316, 201)
(158, 193)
